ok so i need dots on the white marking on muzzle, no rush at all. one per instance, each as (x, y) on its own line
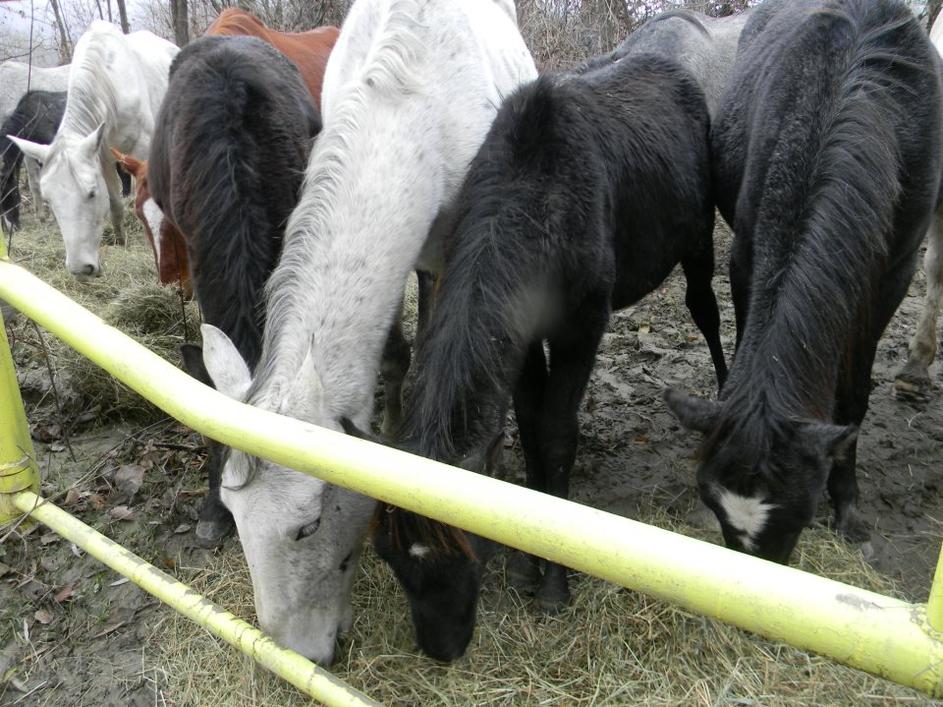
(748, 515)
(154, 217)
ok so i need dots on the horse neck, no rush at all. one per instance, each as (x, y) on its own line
(90, 102)
(349, 247)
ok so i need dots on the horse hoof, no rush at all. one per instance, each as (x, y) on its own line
(913, 382)
(212, 533)
(854, 531)
(523, 573)
(551, 600)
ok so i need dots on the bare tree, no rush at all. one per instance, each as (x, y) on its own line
(65, 47)
(181, 20)
(933, 9)
(123, 14)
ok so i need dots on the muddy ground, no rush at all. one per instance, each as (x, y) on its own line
(75, 633)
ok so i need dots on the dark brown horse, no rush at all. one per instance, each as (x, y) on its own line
(309, 51)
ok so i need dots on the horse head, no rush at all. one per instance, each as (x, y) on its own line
(762, 479)
(164, 238)
(439, 566)
(301, 536)
(73, 184)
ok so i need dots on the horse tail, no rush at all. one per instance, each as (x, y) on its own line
(239, 149)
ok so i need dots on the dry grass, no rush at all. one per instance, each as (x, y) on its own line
(126, 296)
(612, 646)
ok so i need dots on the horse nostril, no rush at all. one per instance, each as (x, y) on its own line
(88, 270)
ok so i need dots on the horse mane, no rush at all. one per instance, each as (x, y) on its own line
(834, 167)
(403, 528)
(496, 297)
(226, 166)
(387, 71)
(91, 98)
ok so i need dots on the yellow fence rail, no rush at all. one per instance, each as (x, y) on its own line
(887, 637)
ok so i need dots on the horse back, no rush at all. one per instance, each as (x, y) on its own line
(308, 50)
(824, 89)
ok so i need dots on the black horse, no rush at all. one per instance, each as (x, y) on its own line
(226, 166)
(590, 187)
(36, 117)
(827, 162)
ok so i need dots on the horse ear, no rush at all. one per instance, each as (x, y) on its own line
(694, 413)
(131, 165)
(31, 149)
(93, 142)
(835, 440)
(224, 363)
(306, 394)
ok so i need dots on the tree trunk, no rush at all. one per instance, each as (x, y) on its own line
(65, 49)
(123, 14)
(181, 19)
(933, 9)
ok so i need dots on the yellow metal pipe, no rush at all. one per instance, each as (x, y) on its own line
(291, 666)
(935, 602)
(17, 459)
(881, 635)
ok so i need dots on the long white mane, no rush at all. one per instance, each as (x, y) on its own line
(118, 80)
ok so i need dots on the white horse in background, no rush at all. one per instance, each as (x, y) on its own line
(116, 86)
(915, 376)
(16, 79)
(410, 91)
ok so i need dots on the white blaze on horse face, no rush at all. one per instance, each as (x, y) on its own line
(154, 218)
(418, 550)
(748, 515)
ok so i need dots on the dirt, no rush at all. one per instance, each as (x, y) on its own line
(73, 633)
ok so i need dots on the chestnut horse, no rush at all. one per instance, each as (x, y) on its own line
(309, 51)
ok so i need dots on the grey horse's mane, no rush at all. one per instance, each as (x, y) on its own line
(386, 72)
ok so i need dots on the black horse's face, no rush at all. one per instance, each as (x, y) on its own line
(441, 582)
(764, 480)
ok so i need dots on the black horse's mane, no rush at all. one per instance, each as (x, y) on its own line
(831, 91)
(227, 163)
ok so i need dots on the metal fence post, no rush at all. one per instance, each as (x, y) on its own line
(18, 470)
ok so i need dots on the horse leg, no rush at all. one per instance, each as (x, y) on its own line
(851, 402)
(36, 193)
(394, 366)
(215, 521)
(113, 183)
(914, 377)
(740, 269)
(523, 568)
(702, 304)
(571, 362)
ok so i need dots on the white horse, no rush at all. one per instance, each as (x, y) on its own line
(16, 78)
(915, 376)
(115, 88)
(410, 91)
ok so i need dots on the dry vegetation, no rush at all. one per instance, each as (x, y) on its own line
(612, 646)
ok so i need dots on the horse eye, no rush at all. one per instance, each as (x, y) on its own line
(309, 529)
(91, 194)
